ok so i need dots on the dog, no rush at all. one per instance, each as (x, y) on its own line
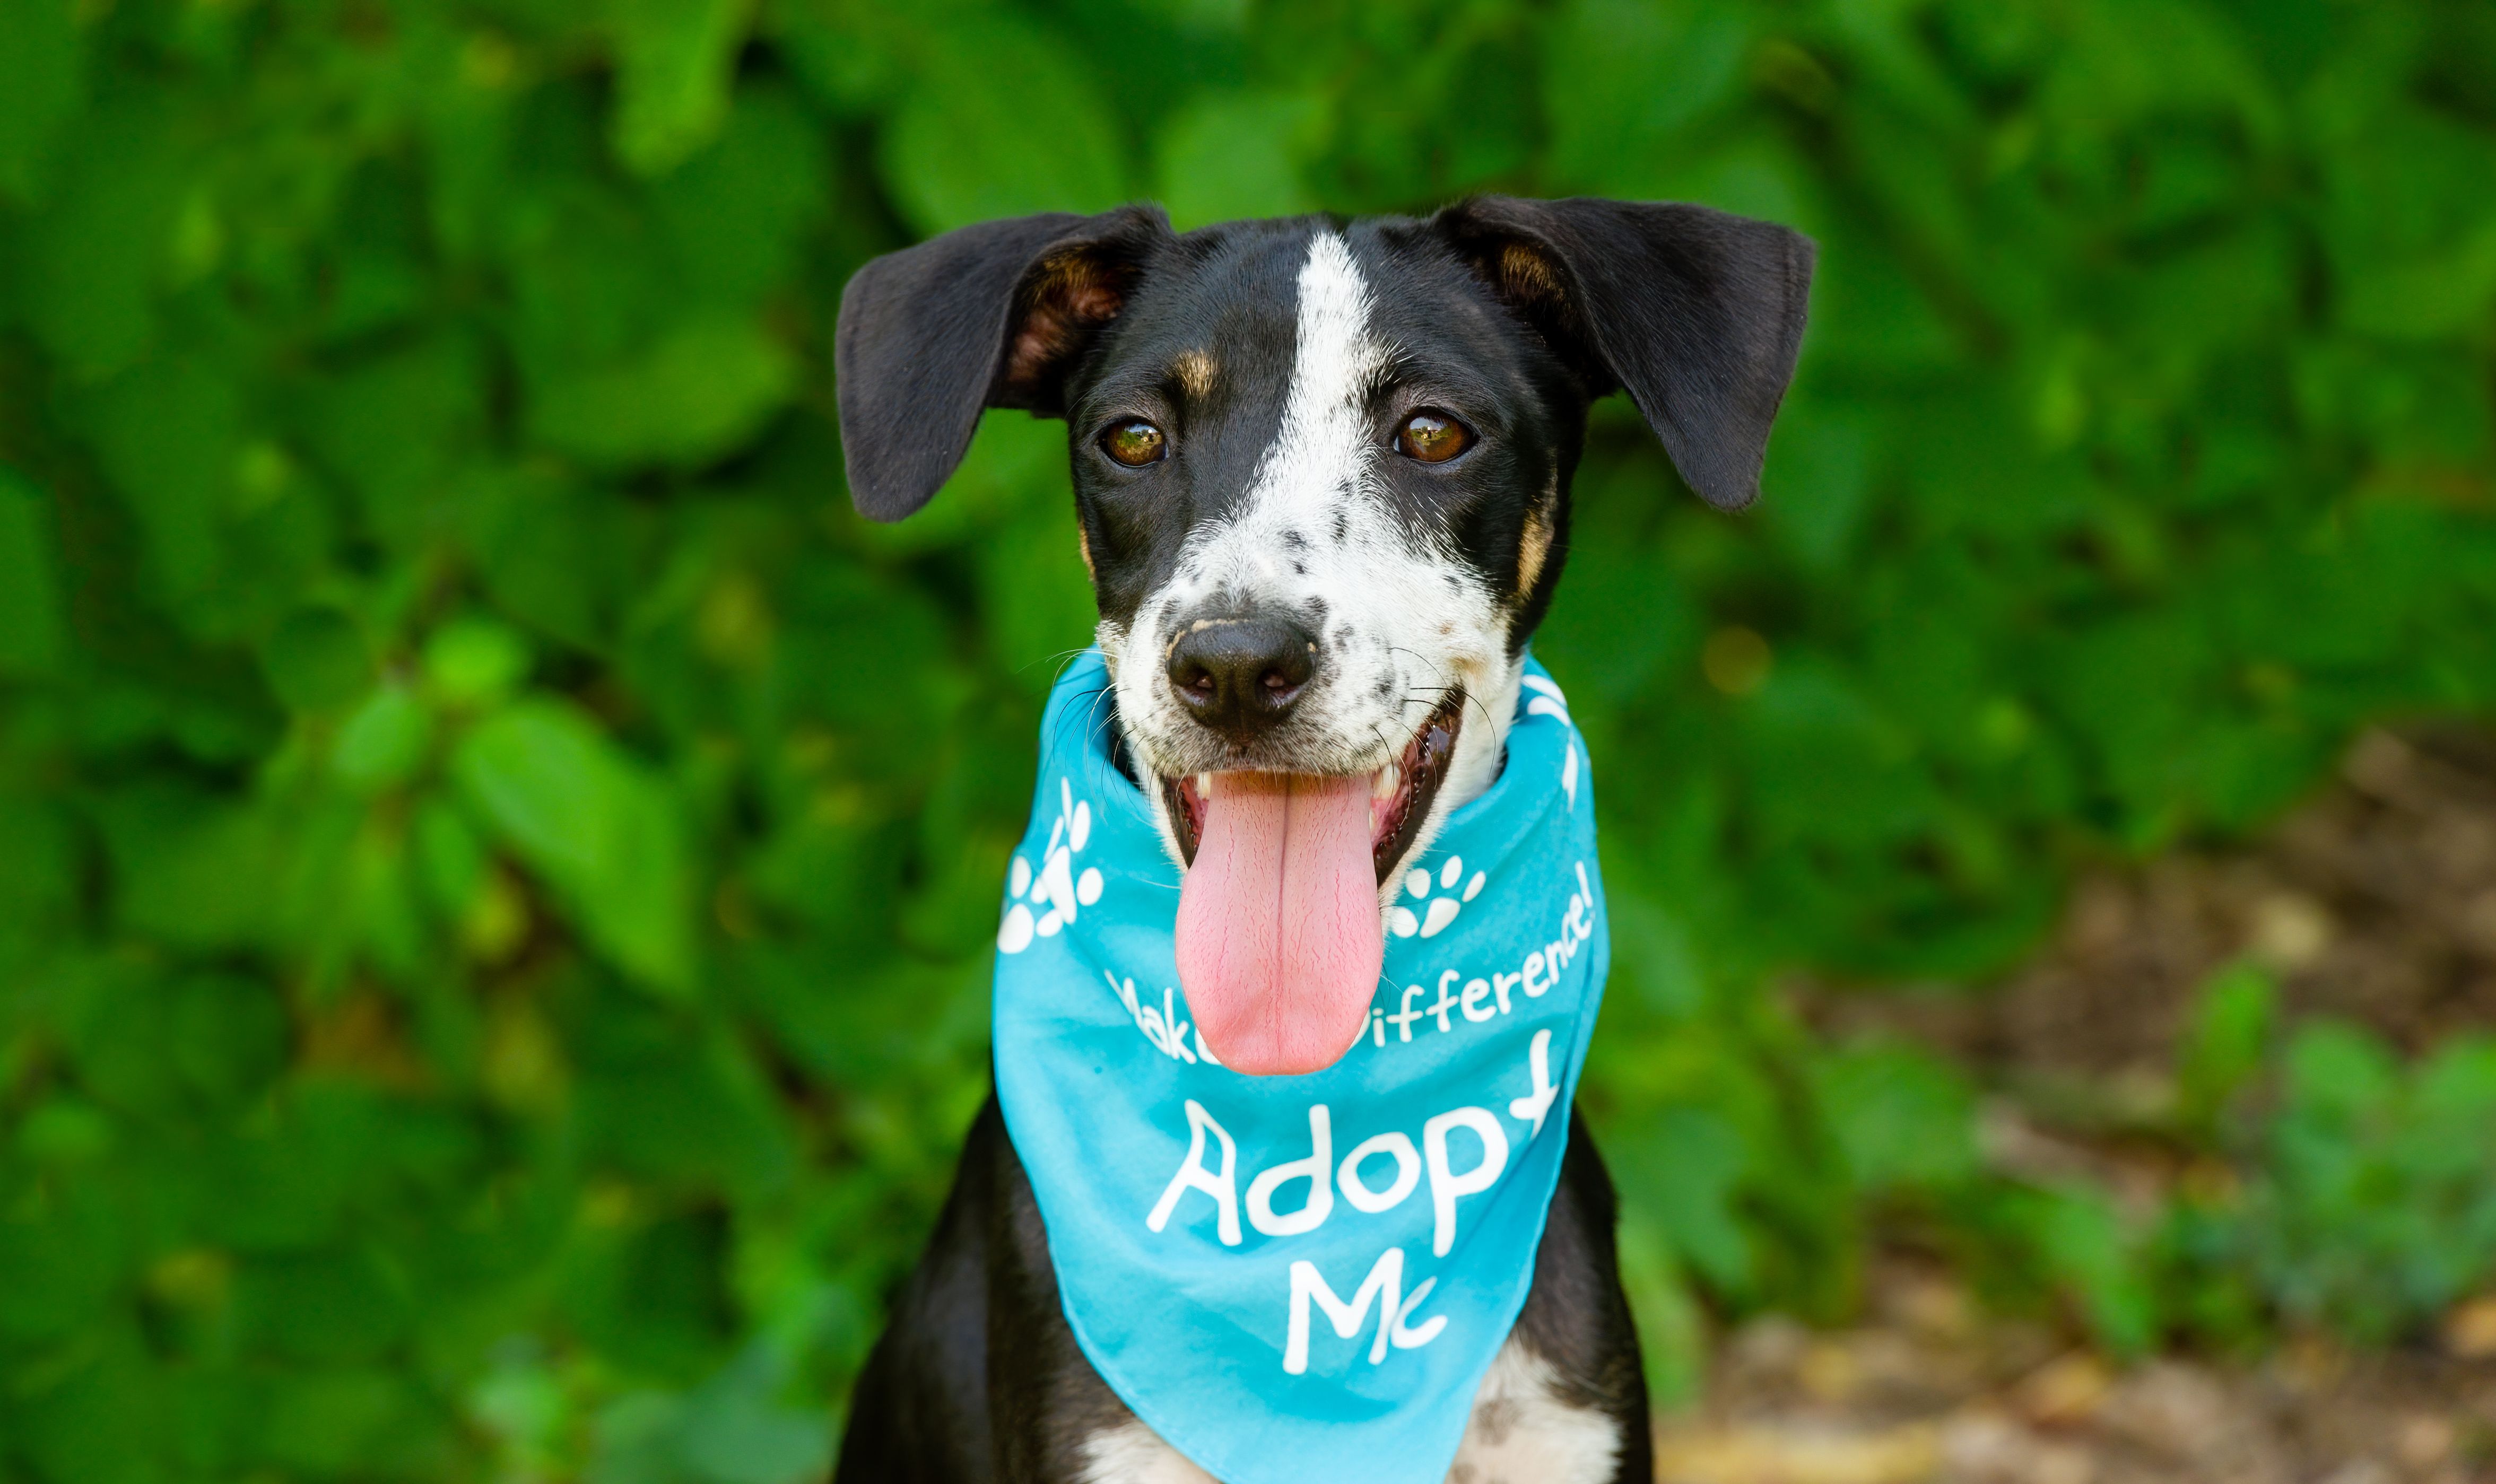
(1322, 485)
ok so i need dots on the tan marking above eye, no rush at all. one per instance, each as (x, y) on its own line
(1193, 373)
(1432, 437)
(1133, 443)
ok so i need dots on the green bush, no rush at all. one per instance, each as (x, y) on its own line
(499, 861)
(2372, 1204)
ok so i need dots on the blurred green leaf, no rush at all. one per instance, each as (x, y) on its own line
(685, 400)
(602, 833)
(384, 740)
(1683, 1173)
(732, 1430)
(318, 659)
(1232, 157)
(1905, 1118)
(450, 855)
(1625, 78)
(92, 257)
(31, 621)
(999, 120)
(397, 427)
(673, 69)
(474, 661)
(229, 1034)
(41, 76)
(2225, 1042)
(192, 872)
(2339, 1071)
(341, 1421)
(2085, 1249)
(62, 1131)
(170, 432)
(735, 213)
(2373, 1201)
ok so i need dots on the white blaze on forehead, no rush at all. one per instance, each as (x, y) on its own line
(1323, 443)
(1280, 548)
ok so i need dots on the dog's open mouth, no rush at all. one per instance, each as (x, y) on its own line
(1401, 793)
(1279, 941)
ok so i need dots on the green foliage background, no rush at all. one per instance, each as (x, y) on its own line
(498, 863)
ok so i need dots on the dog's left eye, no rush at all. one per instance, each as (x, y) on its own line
(1432, 437)
(1133, 443)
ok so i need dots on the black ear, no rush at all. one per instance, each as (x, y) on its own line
(984, 316)
(1696, 314)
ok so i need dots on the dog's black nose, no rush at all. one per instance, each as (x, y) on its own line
(1240, 675)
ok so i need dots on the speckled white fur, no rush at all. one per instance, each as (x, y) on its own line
(1131, 1453)
(1405, 618)
(1520, 1433)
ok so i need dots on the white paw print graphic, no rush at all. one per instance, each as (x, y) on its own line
(1442, 909)
(1056, 888)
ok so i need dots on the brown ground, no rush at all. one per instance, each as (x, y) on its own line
(2375, 901)
(1927, 1390)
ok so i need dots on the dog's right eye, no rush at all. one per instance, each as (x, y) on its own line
(1432, 437)
(1133, 443)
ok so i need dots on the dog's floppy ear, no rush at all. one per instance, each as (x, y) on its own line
(1696, 314)
(984, 316)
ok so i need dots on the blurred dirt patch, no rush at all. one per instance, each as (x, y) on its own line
(2375, 901)
(1929, 1392)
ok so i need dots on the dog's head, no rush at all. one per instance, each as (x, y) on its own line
(1321, 480)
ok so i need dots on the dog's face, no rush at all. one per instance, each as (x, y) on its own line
(1319, 479)
(1322, 476)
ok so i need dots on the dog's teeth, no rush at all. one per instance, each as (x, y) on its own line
(1204, 786)
(1383, 782)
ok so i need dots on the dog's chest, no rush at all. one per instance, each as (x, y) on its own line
(1519, 1433)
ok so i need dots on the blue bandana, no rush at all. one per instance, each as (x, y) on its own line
(1299, 1278)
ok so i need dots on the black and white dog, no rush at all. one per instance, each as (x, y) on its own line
(1321, 480)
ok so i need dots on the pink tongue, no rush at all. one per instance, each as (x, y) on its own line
(1278, 942)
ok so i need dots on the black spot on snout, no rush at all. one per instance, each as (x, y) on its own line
(1294, 541)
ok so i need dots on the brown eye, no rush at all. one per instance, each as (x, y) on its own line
(1132, 444)
(1433, 438)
